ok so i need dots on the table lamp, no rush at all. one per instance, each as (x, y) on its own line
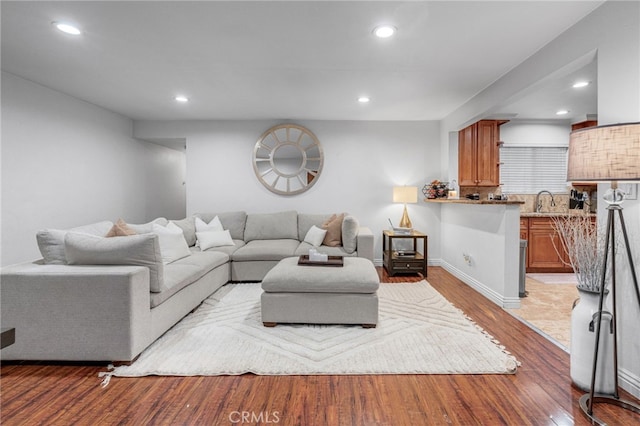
(405, 194)
(607, 154)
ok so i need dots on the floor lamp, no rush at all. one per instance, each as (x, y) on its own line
(607, 154)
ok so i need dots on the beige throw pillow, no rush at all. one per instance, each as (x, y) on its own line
(333, 225)
(120, 229)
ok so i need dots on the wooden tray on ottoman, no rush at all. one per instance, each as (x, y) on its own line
(331, 261)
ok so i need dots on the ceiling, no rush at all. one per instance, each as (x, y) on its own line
(543, 100)
(279, 60)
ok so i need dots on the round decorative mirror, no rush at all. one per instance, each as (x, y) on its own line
(288, 159)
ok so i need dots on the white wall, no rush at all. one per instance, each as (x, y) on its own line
(363, 161)
(476, 227)
(532, 133)
(613, 32)
(67, 163)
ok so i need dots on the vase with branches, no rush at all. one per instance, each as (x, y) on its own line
(580, 239)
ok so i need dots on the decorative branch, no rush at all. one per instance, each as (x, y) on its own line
(580, 238)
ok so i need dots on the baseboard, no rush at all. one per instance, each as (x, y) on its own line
(498, 299)
(430, 262)
(489, 293)
(629, 382)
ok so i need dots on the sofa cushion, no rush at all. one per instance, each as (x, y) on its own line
(211, 239)
(350, 227)
(181, 273)
(304, 247)
(333, 225)
(51, 241)
(272, 226)
(146, 228)
(120, 229)
(173, 246)
(233, 221)
(141, 250)
(229, 250)
(306, 221)
(266, 250)
(188, 227)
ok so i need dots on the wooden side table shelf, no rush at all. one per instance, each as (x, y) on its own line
(7, 337)
(395, 262)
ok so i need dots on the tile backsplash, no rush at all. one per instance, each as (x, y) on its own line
(561, 200)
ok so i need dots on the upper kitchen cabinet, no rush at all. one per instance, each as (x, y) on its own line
(479, 154)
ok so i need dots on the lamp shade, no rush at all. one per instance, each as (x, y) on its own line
(405, 194)
(605, 153)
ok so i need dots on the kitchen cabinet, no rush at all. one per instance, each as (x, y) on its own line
(545, 251)
(479, 154)
(544, 248)
(524, 228)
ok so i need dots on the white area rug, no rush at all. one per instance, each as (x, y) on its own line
(419, 332)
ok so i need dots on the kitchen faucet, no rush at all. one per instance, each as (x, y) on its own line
(538, 203)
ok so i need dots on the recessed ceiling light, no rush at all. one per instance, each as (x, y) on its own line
(181, 98)
(562, 112)
(67, 28)
(579, 84)
(364, 99)
(384, 31)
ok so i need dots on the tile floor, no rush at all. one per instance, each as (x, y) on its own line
(547, 307)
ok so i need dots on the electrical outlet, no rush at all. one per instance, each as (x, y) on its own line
(467, 258)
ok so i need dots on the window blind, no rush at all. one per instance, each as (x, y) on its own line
(528, 170)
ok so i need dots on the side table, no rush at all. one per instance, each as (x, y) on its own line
(395, 261)
(7, 337)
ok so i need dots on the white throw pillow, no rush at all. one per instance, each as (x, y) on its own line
(315, 236)
(214, 225)
(173, 246)
(214, 239)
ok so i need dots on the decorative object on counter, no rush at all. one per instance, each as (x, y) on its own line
(578, 200)
(435, 189)
(405, 194)
(453, 191)
(607, 153)
(499, 195)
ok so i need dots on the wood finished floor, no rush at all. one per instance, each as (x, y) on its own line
(540, 393)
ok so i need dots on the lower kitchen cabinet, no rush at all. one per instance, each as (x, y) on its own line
(544, 248)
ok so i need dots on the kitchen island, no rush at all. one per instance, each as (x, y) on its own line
(481, 245)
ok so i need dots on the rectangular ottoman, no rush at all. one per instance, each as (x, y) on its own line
(321, 294)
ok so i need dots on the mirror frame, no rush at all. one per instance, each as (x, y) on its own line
(294, 136)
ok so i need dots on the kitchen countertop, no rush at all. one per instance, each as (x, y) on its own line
(467, 201)
(557, 214)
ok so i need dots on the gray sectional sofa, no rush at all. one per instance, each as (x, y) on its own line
(93, 298)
